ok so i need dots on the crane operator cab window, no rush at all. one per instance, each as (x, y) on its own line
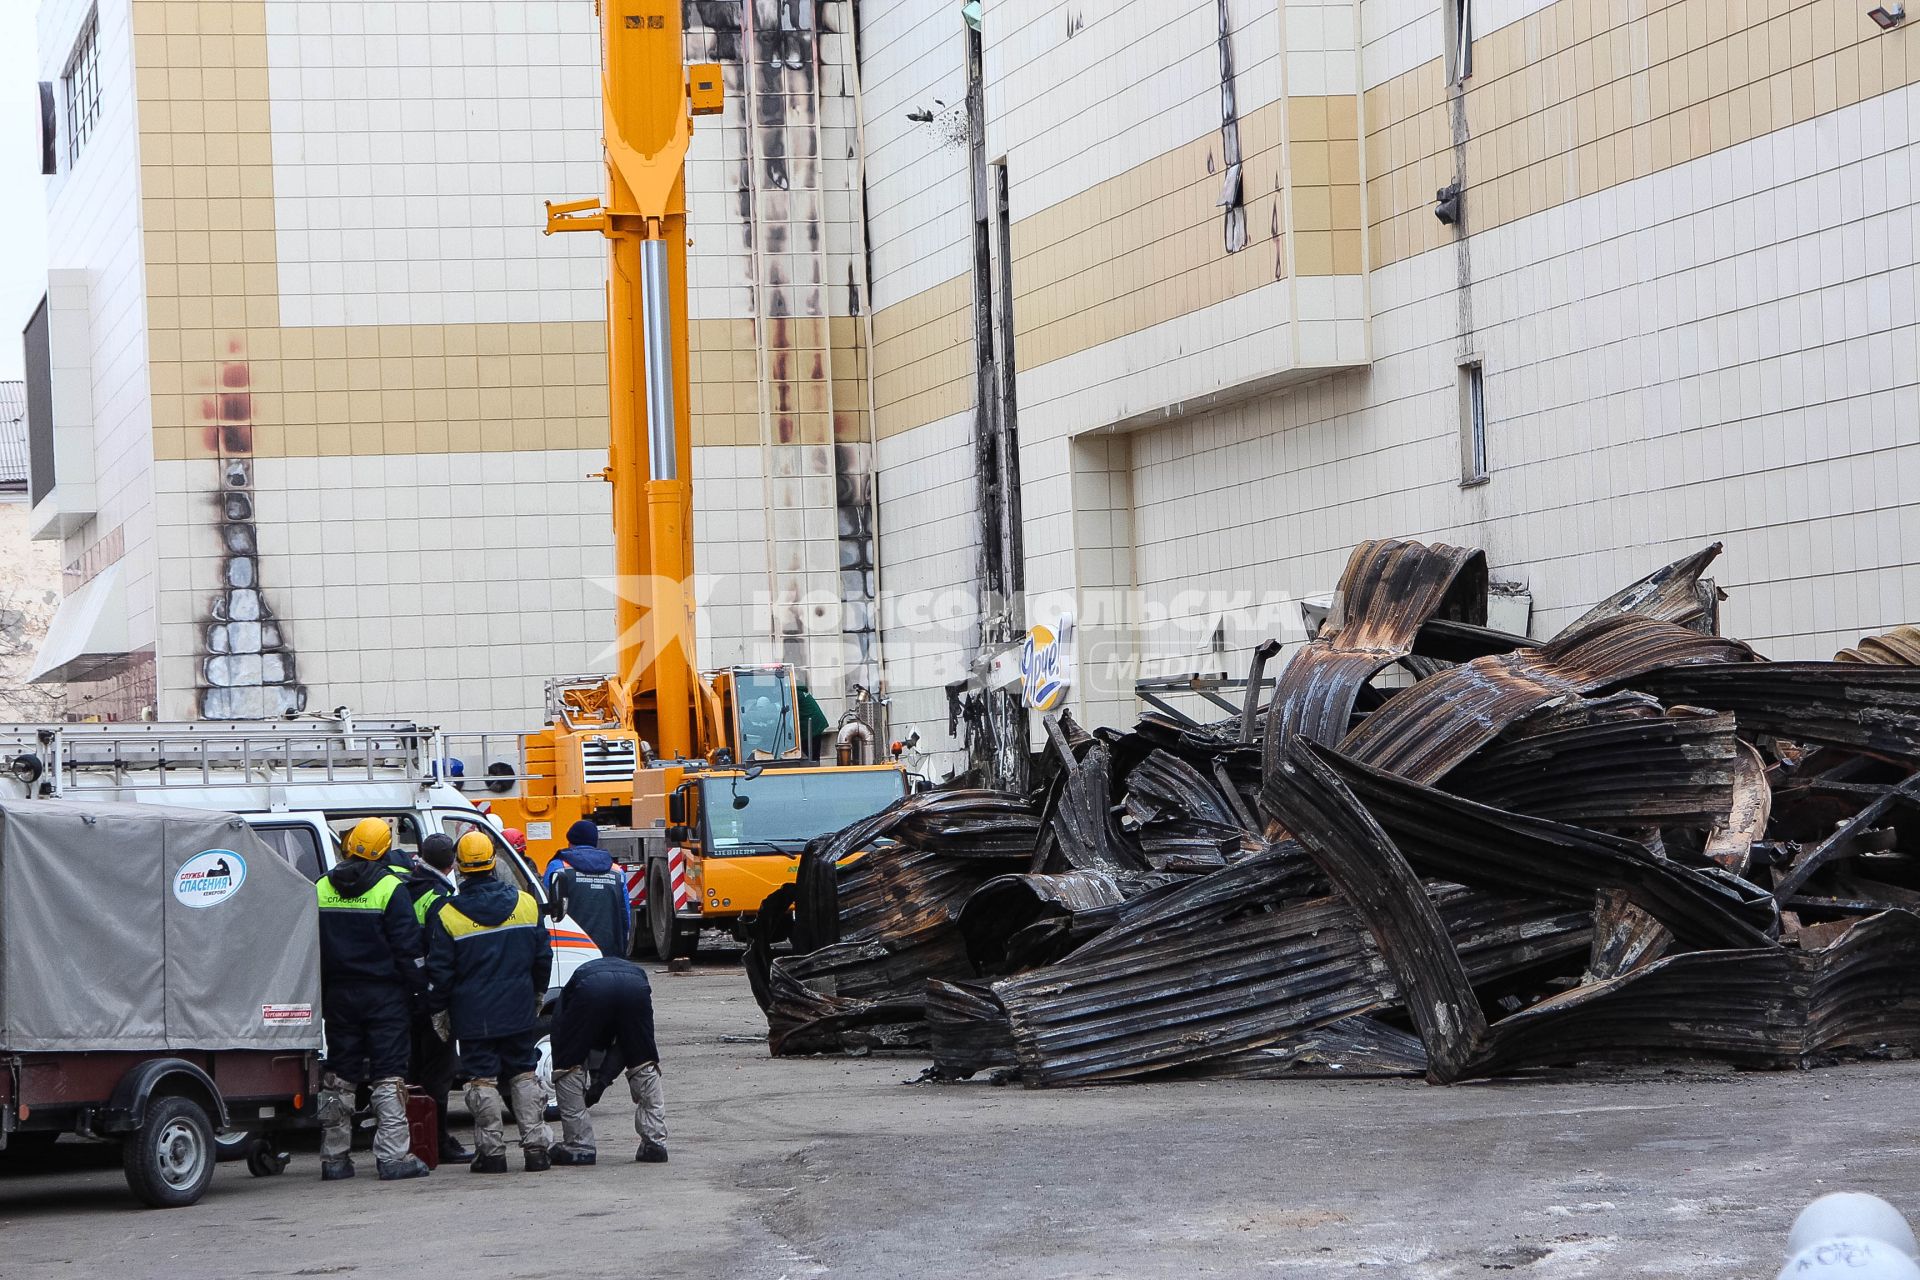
(767, 727)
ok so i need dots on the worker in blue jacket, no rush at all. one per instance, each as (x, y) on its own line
(488, 961)
(598, 903)
(371, 978)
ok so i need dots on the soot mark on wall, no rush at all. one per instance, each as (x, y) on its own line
(795, 108)
(246, 665)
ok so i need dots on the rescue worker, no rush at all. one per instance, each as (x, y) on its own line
(516, 839)
(599, 900)
(434, 1061)
(370, 978)
(488, 960)
(607, 1007)
(398, 860)
(813, 722)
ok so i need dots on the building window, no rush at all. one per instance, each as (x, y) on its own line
(1473, 424)
(1459, 30)
(83, 86)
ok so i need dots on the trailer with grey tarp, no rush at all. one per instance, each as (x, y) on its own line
(159, 984)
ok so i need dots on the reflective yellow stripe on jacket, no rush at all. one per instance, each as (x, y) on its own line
(424, 903)
(374, 899)
(526, 915)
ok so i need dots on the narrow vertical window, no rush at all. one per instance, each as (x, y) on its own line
(1459, 33)
(1473, 423)
(82, 79)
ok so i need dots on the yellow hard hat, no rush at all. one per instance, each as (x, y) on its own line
(474, 853)
(369, 839)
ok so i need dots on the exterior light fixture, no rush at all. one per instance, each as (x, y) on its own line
(1888, 16)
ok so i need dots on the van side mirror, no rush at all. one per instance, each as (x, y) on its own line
(561, 892)
(677, 808)
(679, 833)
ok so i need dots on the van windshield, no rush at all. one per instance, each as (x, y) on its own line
(784, 810)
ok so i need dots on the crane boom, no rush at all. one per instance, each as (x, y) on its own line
(703, 784)
(648, 100)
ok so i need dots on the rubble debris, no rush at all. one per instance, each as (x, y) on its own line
(1437, 850)
(1899, 647)
(1622, 762)
(1389, 591)
(1676, 593)
(1426, 730)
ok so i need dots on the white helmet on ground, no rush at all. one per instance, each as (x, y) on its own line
(1851, 1214)
(1850, 1258)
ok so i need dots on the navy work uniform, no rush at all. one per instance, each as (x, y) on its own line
(599, 902)
(434, 1061)
(370, 976)
(488, 961)
(607, 1007)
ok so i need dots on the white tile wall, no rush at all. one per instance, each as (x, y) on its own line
(1080, 93)
(929, 571)
(913, 58)
(732, 554)
(1399, 35)
(1165, 367)
(93, 230)
(1321, 49)
(1743, 366)
(447, 586)
(413, 144)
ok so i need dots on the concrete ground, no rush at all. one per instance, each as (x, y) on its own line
(828, 1167)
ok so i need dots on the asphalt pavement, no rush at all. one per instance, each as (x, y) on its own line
(844, 1167)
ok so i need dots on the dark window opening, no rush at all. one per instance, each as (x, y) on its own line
(39, 371)
(1459, 32)
(298, 845)
(83, 86)
(1473, 424)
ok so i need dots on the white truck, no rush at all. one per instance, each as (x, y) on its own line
(300, 784)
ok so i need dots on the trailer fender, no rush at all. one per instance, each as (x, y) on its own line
(159, 1077)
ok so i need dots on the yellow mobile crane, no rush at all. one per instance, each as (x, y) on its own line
(701, 782)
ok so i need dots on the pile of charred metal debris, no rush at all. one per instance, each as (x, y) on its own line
(1438, 849)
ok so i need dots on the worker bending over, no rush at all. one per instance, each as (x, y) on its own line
(599, 899)
(370, 979)
(488, 960)
(607, 1006)
(434, 1060)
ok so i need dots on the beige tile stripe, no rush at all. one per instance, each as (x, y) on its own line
(1147, 245)
(726, 389)
(206, 161)
(1574, 99)
(1131, 252)
(206, 171)
(923, 357)
(1324, 168)
(1587, 94)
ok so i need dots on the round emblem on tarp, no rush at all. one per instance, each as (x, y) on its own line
(210, 878)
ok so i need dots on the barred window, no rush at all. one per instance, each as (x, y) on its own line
(83, 86)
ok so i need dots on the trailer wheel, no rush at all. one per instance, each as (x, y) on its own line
(670, 941)
(169, 1159)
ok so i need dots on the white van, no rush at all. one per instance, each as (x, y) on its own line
(300, 784)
